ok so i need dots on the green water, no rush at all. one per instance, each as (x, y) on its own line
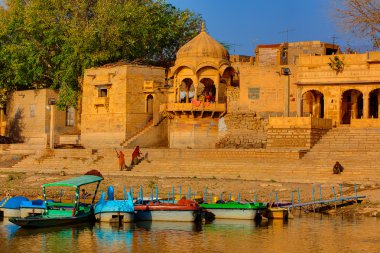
(312, 233)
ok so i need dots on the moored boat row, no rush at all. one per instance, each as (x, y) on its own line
(46, 213)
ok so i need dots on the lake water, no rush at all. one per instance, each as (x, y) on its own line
(311, 233)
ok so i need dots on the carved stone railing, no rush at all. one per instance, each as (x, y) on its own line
(193, 107)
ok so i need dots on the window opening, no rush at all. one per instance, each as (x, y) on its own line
(253, 93)
(70, 116)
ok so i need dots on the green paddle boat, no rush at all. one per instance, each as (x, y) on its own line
(59, 213)
(235, 210)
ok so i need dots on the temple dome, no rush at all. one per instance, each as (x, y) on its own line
(203, 46)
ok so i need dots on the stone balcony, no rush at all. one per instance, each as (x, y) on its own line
(195, 109)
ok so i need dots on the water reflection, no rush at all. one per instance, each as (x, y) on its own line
(310, 233)
(109, 237)
(175, 226)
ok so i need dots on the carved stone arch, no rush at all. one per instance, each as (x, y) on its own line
(176, 69)
(374, 103)
(230, 74)
(226, 68)
(206, 65)
(313, 103)
(186, 89)
(149, 101)
(351, 105)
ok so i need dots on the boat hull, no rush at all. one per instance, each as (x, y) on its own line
(239, 214)
(43, 221)
(170, 215)
(115, 217)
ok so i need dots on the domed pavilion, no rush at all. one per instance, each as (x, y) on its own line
(201, 74)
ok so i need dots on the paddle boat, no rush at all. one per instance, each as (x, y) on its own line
(183, 210)
(114, 211)
(60, 213)
(10, 206)
(235, 210)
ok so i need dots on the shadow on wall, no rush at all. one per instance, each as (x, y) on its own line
(15, 127)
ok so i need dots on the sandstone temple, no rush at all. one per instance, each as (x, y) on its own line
(286, 102)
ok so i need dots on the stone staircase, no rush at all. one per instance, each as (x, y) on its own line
(20, 149)
(148, 126)
(356, 149)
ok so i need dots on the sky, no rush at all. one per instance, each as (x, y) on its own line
(243, 24)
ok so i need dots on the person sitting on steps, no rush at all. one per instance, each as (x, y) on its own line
(136, 156)
(338, 168)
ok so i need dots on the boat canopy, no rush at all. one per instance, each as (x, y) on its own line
(76, 182)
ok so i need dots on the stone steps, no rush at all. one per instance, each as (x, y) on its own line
(357, 150)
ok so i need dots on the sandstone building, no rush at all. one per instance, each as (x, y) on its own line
(210, 99)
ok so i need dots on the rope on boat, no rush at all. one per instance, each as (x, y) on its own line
(5, 201)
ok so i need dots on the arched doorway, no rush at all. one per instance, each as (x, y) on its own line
(374, 97)
(186, 90)
(313, 103)
(149, 104)
(209, 90)
(352, 106)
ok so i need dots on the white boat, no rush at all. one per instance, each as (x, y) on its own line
(114, 211)
(239, 214)
(10, 206)
(235, 210)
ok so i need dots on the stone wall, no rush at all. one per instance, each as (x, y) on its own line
(28, 117)
(296, 133)
(233, 96)
(294, 138)
(244, 130)
(157, 136)
(193, 132)
(121, 112)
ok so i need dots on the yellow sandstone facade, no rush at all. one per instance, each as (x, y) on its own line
(28, 117)
(120, 100)
(287, 96)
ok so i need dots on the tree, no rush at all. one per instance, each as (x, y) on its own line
(363, 18)
(49, 43)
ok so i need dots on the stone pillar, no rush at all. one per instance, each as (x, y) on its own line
(378, 105)
(365, 105)
(354, 106)
(178, 90)
(339, 108)
(196, 91)
(217, 88)
(318, 107)
(286, 96)
(299, 101)
(52, 125)
(1, 120)
(196, 83)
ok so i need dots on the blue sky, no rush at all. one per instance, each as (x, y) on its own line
(245, 23)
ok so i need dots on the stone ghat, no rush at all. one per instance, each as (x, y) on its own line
(268, 165)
